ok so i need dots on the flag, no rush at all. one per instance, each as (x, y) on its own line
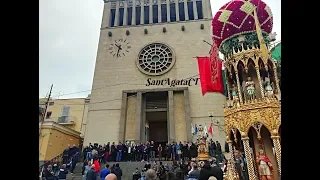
(205, 129)
(210, 72)
(210, 131)
(192, 130)
(195, 129)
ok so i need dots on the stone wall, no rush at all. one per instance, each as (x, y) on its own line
(179, 116)
(130, 129)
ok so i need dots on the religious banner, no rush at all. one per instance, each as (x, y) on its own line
(216, 70)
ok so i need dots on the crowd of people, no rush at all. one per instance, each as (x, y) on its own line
(178, 170)
(55, 170)
(149, 151)
(183, 157)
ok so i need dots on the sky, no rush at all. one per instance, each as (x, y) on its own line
(68, 42)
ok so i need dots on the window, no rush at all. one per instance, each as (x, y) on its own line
(146, 14)
(113, 16)
(121, 12)
(182, 16)
(51, 103)
(65, 111)
(129, 18)
(190, 10)
(173, 13)
(155, 13)
(163, 13)
(138, 15)
(155, 59)
(48, 115)
(199, 9)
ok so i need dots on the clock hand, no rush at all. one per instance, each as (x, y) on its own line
(116, 45)
(118, 52)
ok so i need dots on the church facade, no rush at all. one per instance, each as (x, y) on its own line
(146, 84)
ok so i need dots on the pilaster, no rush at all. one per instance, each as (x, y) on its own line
(123, 117)
(187, 114)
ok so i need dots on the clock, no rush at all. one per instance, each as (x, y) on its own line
(119, 48)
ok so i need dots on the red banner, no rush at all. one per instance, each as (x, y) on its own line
(210, 71)
(216, 70)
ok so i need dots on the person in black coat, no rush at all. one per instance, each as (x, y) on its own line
(92, 174)
(63, 172)
(48, 174)
(65, 155)
(117, 171)
(208, 171)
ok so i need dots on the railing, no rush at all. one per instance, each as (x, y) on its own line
(64, 119)
(57, 159)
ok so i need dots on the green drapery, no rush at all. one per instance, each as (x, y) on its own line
(276, 52)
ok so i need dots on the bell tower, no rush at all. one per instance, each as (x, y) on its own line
(147, 41)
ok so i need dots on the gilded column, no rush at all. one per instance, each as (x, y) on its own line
(277, 147)
(231, 155)
(276, 78)
(239, 87)
(248, 155)
(260, 83)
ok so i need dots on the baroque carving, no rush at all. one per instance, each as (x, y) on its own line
(255, 114)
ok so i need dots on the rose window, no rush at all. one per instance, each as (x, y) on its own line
(155, 59)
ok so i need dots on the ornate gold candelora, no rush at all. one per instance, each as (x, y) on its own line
(258, 104)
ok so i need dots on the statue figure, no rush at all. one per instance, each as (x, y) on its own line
(240, 166)
(251, 89)
(264, 166)
(234, 92)
(203, 153)
(268, 88)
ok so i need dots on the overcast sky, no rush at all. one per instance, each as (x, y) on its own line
(68, 41)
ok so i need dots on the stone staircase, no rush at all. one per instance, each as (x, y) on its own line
(128, 168)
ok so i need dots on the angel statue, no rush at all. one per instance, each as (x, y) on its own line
(268, 87)
(251, 89)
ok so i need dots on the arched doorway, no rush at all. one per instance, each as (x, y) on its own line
(265, 143)
(236, 139)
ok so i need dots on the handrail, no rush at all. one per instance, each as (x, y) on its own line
(59, 157)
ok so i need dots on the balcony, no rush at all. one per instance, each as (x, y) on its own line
(67, 120)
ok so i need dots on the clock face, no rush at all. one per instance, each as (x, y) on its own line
(119, 48)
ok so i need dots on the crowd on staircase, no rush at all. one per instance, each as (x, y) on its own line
(149, 151)
(183, 157)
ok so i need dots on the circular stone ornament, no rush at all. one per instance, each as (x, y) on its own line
(155, 59)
